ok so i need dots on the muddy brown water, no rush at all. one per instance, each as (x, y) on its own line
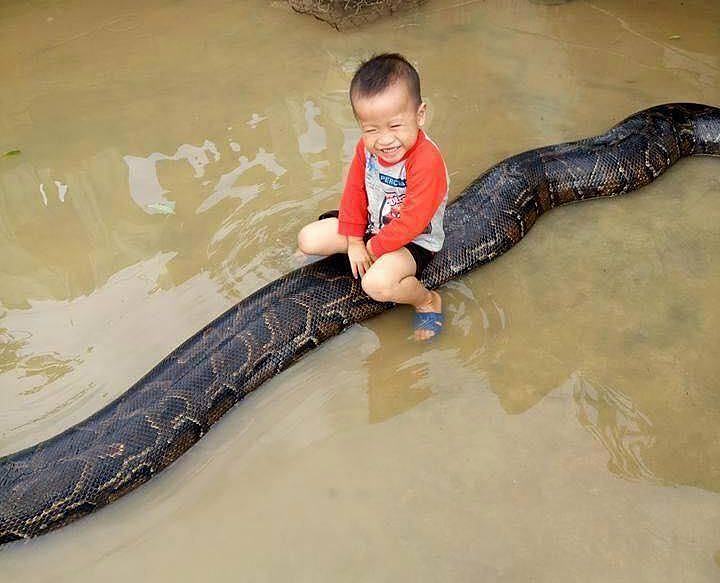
(565, 427)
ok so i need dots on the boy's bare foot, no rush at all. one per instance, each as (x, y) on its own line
(428, 317)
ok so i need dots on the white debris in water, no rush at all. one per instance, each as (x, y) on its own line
(44, 196)
(234, 146)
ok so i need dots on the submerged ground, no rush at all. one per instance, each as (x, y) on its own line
(565, 427)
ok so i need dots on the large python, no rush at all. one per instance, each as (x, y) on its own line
(144, 430)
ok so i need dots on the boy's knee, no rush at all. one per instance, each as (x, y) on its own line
(305, 240)
(377, 287)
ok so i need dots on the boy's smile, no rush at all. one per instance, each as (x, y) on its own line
(389, 121)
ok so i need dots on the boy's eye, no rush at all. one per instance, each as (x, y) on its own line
(370, 131)
(395, 126)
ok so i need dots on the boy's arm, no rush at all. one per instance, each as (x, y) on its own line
(353, 204)
(426, 189)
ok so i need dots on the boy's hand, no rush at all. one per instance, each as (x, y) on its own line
(360, 260)
(372, 255)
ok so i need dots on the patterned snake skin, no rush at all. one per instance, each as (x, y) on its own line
(175, 404)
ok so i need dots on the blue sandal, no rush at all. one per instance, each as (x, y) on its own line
(431, 321)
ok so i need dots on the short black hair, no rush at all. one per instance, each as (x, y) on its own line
(382, 71)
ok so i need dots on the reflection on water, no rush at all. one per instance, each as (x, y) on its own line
(164, 173)
(226, 186)
(314, 139)
(39, 369)
(144, 183)
(614, 420)
(72, 357)
(61, 191)
(397, 375)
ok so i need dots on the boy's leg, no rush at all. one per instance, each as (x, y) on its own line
(322, 238)
(392, 279)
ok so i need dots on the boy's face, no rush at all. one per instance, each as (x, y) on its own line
(389, 121)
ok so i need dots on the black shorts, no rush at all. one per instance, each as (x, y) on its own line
(421, 255)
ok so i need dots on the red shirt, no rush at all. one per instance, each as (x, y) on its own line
(406, 202)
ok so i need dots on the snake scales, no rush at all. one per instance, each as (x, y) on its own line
(143, 431)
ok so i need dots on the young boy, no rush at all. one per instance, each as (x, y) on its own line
(390, 221)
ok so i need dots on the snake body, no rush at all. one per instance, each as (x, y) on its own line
(150, 425)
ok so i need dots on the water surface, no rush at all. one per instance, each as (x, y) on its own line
(565, 426)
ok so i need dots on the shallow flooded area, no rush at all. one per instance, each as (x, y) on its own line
(162, 157)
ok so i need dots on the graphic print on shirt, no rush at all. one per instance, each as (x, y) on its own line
(386, 190)
(389, 209)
